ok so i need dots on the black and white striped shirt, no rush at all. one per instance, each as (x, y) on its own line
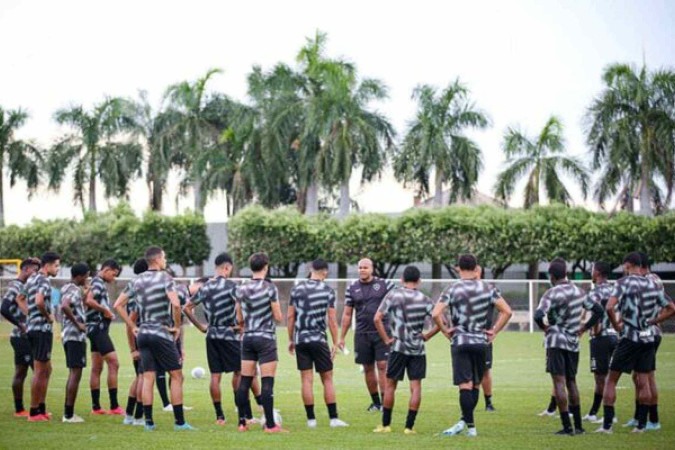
(562, 304)
(639, 301)
(217, 298)
(36, 321)
(469, 302)
(14, 289)
(311, 299)
(150, 292)
(256, 298)
(70, 331)
(407, 310)
(100, 294)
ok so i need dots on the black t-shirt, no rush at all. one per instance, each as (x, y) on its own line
(365, 298)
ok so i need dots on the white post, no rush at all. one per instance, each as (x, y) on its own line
(530, 285)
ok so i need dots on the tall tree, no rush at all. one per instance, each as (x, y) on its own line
(542, 161)
(436, 139)
(100, 147)
(631, 132)
(22, 158)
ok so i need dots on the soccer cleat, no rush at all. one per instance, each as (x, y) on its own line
(546, 413)
(604, 430)
(128, 420)
(455, 429)
(138, 422)
(590, 418)
(564, 432)
(381, 429)
(220, 421)
(631, 423)
(184, 427)
(38, 418)
(472, 432)
(638, 430)
(48, 415)
(337, 423)
(99, 412)
(409, 431)
(168, 408)
(579, 431)
(186, 408)
(374, 408)
(254, 421)
(117, 411)
(275, 429)
(490, 408)
(74, 419)
(242, 428)
(23, 413)
(653, 426)
(311, 423)
(149, 427)
(601, 420)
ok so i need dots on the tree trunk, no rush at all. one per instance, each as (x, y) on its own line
(92, 192)
(199, 203)
(156, 194)
(438, 196)
(2, 195)
(344, 199)
(645, 195)
(312, 205)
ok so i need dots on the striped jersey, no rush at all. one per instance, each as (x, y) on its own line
(183, 292)
(659, 284)
(365, 298)
(69, 331)
(14, 289)
(256, 298)
(132, 306)
(600, 294)
(639, 301)
(38, 283)
(149, 290)
(99, 292)
(407, 310)
(311, 299)
(469, 302)
(563, 304)
(217, 298)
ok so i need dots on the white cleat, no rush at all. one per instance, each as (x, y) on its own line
(337, 423)
(546, 413)
(168, 408)
(128, 420)
(138, 422)
(311, 423)
(472, 432)
(602, 430)
(590, 418)
(74, 419)
(455, 429)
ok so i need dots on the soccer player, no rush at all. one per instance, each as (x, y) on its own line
(638, 298)
(469, 301)
(563, 304)
(603, 337)
(257, 309)
(99, 316)
(311, 302)
(73, 336)
(39, 326)
(365, 295)
(14, 310)
(407, 309)
(486, 382)
(155, 294)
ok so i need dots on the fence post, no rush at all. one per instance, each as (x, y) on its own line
(530, 285)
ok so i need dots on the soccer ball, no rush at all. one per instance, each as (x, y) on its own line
(198, 372)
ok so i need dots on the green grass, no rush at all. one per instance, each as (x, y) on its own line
(521, 389)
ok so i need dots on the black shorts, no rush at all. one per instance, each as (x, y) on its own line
(632, 356)
(657, 344)
(223, 356)
(100, 340)
(488, 357)
(76, 354)
(157, 353)
(22, 353)
(468, 363)
(41, 345)
(562, 362)
(260, 349)
(398, 364)
(602, 348)
(369, 348)
(313, 355)
(138, 367)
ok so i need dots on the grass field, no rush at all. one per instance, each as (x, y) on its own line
(521, 389)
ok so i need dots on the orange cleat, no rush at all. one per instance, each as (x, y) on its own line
(38, 418)
(23, 413)
(220, 422)
(276, 429)
(117, 411)
(242, 428)
(99, 412)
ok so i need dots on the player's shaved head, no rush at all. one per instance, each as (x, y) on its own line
(366, 262)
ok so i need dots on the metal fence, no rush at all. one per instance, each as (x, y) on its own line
(522, 295)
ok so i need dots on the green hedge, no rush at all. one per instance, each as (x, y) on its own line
(117, 234)
(497, 236)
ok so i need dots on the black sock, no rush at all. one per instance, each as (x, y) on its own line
(242, 398)
(643, 410)
(42, 408)
(178, 414)
(410, 420)
(112, 393)
(466, 402)
(637, 408)
(68, 411)
(576, 414)
(34, 412)
(131, 405)
(608, 416)
(375, 398)
(309, 410)
(218, 406)
(597, 400)
(267, 393)
(147, 411)
(565, 419)
(476, 397)
(386, 417)
(95, 399)
(332, 410)
(18, 405)
(138, 414)
(161, 388)
(488, 400)
(654, 413)
(258, 400)
(552, 404)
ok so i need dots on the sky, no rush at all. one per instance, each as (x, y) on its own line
(522, 60)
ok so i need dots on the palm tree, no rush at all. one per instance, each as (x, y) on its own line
(100, 147)
(631, 132)
(22, 158)
(541, 160)
(436, 138)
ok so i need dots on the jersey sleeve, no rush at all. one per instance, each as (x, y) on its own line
(294, 296)
(389, 285)
(446, 296)
(198, 297)
(495, 295)
(349, 300)
(169, 283)
(273, 293)
(331, 298)
(44, 287)
(618, 290)
(545, 303)
(386, 304)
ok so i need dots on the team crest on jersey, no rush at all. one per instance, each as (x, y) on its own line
(376, 287)
(26, 358)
